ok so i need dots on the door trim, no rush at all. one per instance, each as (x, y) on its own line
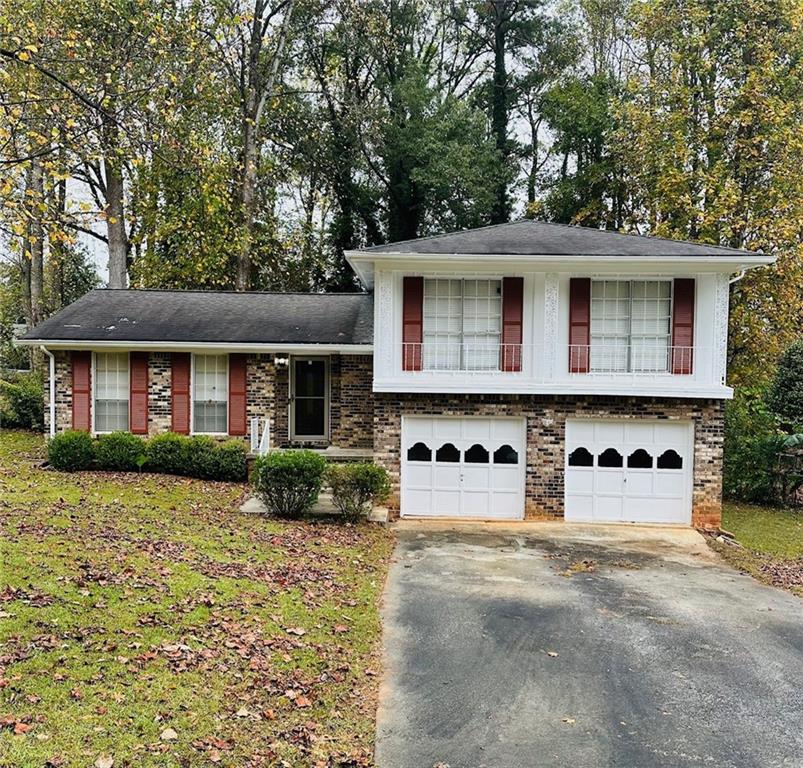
(326, 395)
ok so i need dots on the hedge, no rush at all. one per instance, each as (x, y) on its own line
(355, 487)
(171, 454)
(22, 403)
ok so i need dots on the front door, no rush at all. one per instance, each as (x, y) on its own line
(309, 397)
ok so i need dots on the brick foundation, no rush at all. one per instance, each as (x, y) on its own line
(546, 424)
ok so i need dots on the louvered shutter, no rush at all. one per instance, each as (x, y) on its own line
(237, 394)
(579, 324)
(138, 394)
(412, 323)
(82, 391)
(683, 325)
(180, 393)
(512, 321)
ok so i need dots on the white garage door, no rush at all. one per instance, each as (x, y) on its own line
(628, 471)
(463, 467)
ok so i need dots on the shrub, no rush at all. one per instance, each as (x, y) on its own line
(785, 395)
(168, 453)
(71, 451)
(23, 403)
(355, 487)
(288, 482)
(230, 462)
(201, 457)
(119, 451)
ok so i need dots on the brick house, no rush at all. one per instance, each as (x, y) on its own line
(523, 370)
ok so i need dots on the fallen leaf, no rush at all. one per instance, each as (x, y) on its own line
(20, 728)
(215, 756)
(243, 712)
(569, 720)
(168, 734)
(553, 654)
(296, 631)
(302, 701)
(104, 761)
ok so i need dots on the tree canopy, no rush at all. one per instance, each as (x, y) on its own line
(248, 143)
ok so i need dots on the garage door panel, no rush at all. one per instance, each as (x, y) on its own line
(637, 493)
(476, 483)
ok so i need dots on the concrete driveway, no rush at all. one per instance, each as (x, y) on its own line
(583, 647)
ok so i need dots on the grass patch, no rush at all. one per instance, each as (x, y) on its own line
(135, 604)
(772, 544)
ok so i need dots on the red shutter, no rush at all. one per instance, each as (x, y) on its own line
(512, 320)
(412, 323)
(579, 324)
(81, 390)
(682, 325)
(138, 396)
(237, 394)
(180, 393)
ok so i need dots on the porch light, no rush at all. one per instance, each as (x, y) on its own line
(281, 360)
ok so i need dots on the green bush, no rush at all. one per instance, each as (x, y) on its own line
(230, 462)
(288, 482)
(355, 487)
(22, 403)
(168, 453)
(201, 457)
(785, 395)
(119, 451)
(71, 451)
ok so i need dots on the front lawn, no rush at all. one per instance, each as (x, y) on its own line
(145, 622)
(772, 543)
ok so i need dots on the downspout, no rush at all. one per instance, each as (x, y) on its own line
(738, 277)
(52, 389)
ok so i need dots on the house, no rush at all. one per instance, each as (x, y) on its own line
(515, 371)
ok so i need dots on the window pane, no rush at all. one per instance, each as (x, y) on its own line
(310, 416)
(210, 394)
(210, 417)
(310, 378)
(111, 391)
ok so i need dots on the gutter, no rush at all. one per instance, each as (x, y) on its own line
(52, 388)
(189, 346)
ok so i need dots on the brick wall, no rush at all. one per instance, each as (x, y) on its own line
(63, 392)
(546, 424)
(351, 401)
(160, 380)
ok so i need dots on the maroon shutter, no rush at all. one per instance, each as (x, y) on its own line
(412, 323)
(579, 324)
(138, 396)
(82, 390)
(237, 394)
(512, 321)
(180, 393)
(682, 325)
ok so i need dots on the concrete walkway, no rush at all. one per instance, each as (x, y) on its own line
(547, 644)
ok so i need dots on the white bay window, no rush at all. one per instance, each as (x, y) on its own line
(210, 394)
(631, 325)
(462, 325)
(111, 382)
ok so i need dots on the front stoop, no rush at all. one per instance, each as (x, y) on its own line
(323, 507)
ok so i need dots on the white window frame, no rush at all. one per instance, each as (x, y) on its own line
(93, 390)
(460, 335)
(631, 281)
(327, 393)
(192, 394)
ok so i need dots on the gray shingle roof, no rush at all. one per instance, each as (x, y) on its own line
(534, 238)
(213, 316)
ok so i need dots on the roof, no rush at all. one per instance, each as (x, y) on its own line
(539, 238)
(117, 315)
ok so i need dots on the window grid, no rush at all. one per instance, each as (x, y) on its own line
(462, 324)
(210, 394)
(631, 322)
(111, 391)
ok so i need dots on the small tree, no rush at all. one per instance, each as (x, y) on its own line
(785, 395)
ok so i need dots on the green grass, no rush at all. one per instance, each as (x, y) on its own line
(772, 544)
(130, 604)
(775, 532)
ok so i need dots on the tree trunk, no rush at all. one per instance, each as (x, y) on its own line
(500, 212)
(57, 247)
(35, 241)
(115, 223)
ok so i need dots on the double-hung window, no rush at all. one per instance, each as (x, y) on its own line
(210, 394)
(111, 391)
(631, 325)
(462, 324)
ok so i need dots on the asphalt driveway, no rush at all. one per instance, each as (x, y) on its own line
(586, 647)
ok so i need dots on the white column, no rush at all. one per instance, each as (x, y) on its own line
(551, 300)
